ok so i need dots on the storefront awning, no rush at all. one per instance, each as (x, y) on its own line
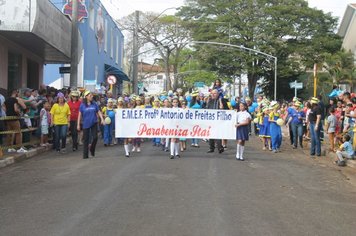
(119, 74)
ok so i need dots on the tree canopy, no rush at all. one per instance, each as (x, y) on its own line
(296, 34)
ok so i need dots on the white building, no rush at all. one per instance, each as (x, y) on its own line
(152, 78)
(347, 31)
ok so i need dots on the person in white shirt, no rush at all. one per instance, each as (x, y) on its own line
(243, 119)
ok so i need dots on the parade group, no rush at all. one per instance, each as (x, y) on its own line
(86, 116)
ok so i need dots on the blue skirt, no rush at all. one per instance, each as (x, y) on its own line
(242, 133)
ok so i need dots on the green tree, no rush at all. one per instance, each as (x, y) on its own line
(340, 67)
(163, 32)
(296, 34)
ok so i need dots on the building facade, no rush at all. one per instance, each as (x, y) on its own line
(32, 33)
(102, 47)
(347, 31)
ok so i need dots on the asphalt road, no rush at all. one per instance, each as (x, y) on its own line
(198, 194)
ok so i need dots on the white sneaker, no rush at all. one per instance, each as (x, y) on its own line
(133, 149)
(138, 149)
(21, 150)
(11, 150)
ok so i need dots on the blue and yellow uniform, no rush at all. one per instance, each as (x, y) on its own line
(275, 130)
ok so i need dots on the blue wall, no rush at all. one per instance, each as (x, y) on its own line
(93, 58)
(50, 73)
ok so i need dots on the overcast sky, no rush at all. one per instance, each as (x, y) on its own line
(120, 8)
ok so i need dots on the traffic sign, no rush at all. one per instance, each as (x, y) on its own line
(299, 85)
(199, 84)
(64, 70)
(296, 85)
(111, 79)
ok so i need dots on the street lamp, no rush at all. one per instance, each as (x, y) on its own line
(234, 46)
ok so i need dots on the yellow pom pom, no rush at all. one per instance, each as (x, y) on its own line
(280, 122)
(107, 120)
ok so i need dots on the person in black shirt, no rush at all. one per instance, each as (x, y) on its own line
(315, 127)
(12, 107)
(216, 102)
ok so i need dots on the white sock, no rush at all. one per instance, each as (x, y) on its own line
(242, 148)
(167, 142)
(238, 151)
(172, 148)
(176, 146)
(126, 146)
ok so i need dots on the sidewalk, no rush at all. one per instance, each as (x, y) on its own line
(324, 153)
(13, 157)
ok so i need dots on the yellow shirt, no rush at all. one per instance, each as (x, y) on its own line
(60, 114)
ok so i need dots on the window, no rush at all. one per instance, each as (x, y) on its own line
(160, 77)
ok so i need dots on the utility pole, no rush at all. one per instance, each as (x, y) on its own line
(135, 54)
(74, 46)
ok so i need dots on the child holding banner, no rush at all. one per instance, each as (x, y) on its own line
(195, 104)
(136, 142)
(121, 105)
(183, 141)
(175, 141)
(165, 141)
(243, 121)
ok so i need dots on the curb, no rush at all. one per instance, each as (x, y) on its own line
(18, 157)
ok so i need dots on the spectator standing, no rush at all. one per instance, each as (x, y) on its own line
(322, 117)
(2, 115)
(315, 127)
(60, 118)
(45, 122)
(13, 105)
(331, 127)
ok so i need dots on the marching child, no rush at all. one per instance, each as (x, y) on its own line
(175, 141)
(183, 141)
(243, 121)
(165, 141)
(265, 129)
(109, 116)
(136, 142)
(275, 129)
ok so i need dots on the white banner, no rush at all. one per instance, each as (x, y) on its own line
(175, 123)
